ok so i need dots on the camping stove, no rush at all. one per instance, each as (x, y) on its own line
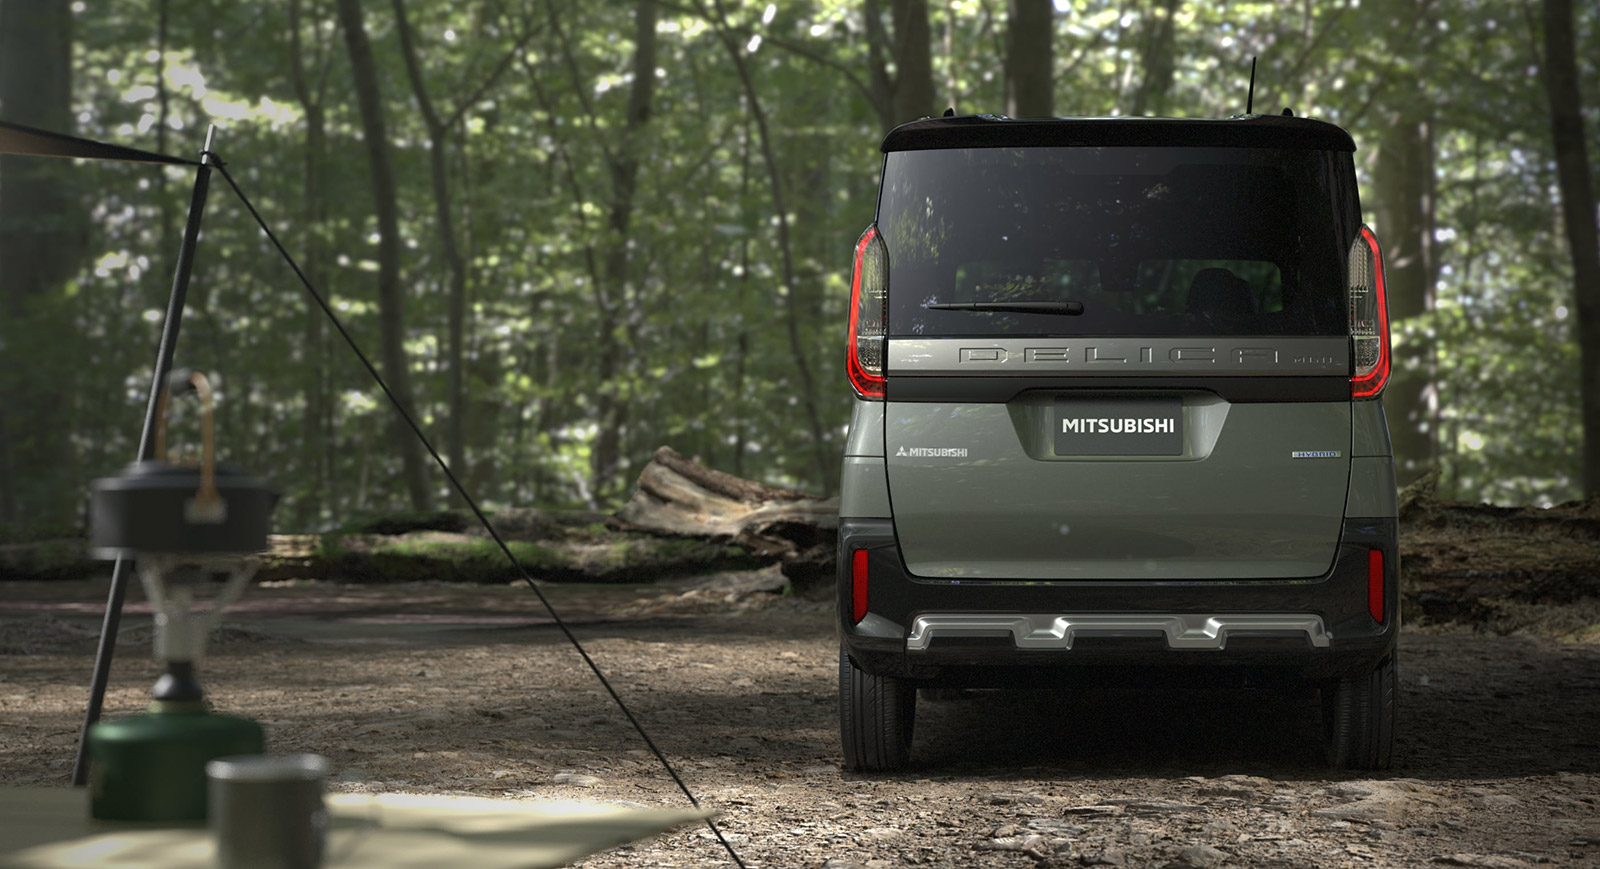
(187, 528)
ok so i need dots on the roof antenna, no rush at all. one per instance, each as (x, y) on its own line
(1250, 99)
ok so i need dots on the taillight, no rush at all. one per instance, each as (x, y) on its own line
(858, 585)
(869, 315)
(1369, 317)
(1375, 584)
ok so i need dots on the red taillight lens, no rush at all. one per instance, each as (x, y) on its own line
(1369, 317)
(858, 585)
(869, 315)
(1375, 584)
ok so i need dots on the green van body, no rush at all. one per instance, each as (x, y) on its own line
(1074, 466)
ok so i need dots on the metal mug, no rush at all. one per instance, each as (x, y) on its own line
(266, 810)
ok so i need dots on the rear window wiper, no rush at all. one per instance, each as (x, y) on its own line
(1065, 308)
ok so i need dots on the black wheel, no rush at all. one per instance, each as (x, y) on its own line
(1358, 718)
(876, 714)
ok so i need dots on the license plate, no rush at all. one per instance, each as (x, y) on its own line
(1119, 427)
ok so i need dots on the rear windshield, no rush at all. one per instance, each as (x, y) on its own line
(1151, 241)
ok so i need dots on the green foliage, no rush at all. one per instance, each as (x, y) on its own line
(707, 367)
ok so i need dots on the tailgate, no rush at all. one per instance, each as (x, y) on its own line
(1029, 463)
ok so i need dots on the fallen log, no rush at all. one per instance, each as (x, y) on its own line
(1501, 568)
(680, 498)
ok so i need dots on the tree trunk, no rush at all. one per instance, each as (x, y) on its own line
(41, 245)
(952, 95)
(557, 385)
(821, 453)
(740, 399)
(440, 125)
(1578, 210)
(908, 95)
(36, 89)
(612, 408)
(391, 297)
(313, 446)
(913, 61)
(1156, 62)
(1030, 59)
(1404, 211)
(879, 85)
(444, 217)
(169, 246)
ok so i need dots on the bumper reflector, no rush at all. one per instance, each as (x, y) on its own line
(1375, 584)
(858, 585)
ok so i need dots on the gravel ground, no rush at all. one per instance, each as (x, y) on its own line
(470, 690)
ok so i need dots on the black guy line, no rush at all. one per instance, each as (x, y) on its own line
(472, 504)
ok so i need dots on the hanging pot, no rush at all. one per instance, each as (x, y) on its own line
(159, 507)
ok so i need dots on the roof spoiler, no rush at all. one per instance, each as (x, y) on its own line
(999, 131)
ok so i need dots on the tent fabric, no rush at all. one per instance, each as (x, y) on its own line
(31, 141)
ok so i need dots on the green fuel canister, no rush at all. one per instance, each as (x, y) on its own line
(152, 767)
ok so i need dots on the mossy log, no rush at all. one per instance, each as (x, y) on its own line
(589, 554)
(586, 554)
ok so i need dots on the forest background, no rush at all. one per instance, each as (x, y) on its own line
(572, 232)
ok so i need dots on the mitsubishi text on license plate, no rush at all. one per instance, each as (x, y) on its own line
(1119, 427)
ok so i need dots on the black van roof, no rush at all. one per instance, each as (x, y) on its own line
(999, 131)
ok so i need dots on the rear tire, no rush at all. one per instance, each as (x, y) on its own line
(876, 717)
(1358, 715)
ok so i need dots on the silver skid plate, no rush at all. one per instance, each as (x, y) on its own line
(1182, 631)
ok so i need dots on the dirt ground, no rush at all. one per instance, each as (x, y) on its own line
(461, 689)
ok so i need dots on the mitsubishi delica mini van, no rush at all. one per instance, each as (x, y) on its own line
(1118, 408)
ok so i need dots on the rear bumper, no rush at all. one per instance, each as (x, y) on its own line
(975, 632)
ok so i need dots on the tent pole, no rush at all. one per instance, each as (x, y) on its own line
(164, 351)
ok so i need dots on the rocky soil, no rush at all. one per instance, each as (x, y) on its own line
(470, 689)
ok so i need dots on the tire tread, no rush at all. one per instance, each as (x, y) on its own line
(876, 718)
(1358, 718)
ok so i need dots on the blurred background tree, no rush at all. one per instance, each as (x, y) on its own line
(610, 226)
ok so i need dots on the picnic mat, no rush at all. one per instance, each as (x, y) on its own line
(47, 828)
